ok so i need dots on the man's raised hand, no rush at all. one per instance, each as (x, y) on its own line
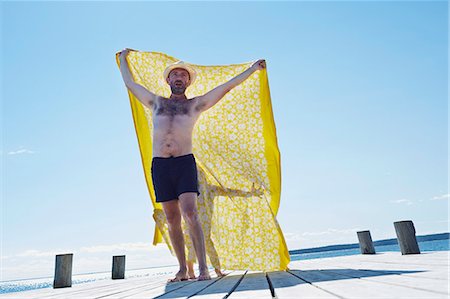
(259, 65)
(125, 52)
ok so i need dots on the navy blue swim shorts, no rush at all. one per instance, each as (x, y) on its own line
(173, 176)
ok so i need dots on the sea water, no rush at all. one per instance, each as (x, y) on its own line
(47, 282)
(435, 245)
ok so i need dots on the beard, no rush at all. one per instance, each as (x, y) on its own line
(178, 89)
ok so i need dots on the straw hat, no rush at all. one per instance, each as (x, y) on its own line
(181, 65)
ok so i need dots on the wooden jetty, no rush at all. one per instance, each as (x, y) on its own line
(381, 275)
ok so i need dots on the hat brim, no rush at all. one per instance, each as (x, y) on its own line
(188, 68)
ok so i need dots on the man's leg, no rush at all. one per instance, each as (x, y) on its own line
(173, 216)
(188, 205)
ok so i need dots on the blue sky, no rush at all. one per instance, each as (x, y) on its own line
(359, 94)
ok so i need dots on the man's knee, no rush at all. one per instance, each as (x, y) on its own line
(190, 216)
(189, 207)
(173, 220)
(172, 212)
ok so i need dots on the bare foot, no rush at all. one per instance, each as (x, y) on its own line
(204, 275)
(191, 275)
(180, 276)
(219, 273)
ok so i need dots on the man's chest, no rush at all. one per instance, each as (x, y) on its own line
(175, 113)
(173, 108)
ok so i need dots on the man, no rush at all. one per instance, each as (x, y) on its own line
(174, 171)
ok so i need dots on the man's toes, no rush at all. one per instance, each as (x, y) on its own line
(178, 278)
(204, 277)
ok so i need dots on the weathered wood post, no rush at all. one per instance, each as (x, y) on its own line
(406, 237)
(118, 267)
(365, 242)
(63, 271)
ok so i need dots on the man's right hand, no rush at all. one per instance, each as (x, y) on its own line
(125, 52)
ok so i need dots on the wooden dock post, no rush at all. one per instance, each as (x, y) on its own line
(118, 267)
(63, 271)
(406, 237)
(365, 242)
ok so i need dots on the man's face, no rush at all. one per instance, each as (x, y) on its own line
(178, 80)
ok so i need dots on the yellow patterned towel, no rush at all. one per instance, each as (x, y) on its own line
(235, 146)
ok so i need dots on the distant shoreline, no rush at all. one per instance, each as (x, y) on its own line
(392, 241)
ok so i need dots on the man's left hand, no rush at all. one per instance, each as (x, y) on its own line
(259, 65)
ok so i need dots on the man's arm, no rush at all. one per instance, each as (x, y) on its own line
(213, 97)
(146, 97)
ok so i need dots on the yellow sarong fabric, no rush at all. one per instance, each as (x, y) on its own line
(238, 161)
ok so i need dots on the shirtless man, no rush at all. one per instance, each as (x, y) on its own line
(174, 171)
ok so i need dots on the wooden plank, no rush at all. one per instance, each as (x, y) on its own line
(254, 285)
(89, 289)
(387, 275)
(152, 290)
(357, 288)
(191, 289)
(221, 288)
(438, 258)
(128, 285)
(116, 291)
(50, 292)
(133, 285)
(287, 285)
(430, 285)
(160, 290)
(406, 270)
(388, 261)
